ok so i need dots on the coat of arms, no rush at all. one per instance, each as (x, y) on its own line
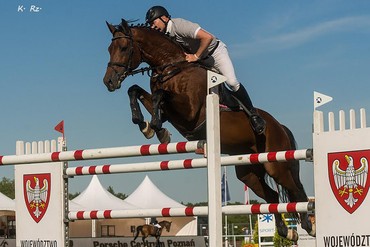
(349, 177)
(37, 194)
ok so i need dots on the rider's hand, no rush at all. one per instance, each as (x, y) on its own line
(191, 57)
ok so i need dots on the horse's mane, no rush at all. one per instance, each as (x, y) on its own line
(153, 31)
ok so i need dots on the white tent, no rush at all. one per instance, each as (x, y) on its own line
(190, 229)
(6, 204)
(75, 206)
(96, 197)
(147, 195)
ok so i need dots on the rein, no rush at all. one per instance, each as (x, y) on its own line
(150, 70)
(156, 68)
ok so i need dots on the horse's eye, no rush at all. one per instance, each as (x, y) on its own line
(123, 49)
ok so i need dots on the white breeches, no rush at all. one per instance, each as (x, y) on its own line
(222, 63)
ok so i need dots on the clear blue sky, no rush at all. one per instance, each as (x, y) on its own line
(52, 63)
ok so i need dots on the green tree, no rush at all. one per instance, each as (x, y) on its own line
(7, 187)
(255, 233)
(119, 194)
(73, 196)
(280, 241)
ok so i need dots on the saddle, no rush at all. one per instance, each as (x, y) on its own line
(227, 101)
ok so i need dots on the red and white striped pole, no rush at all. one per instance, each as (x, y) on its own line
(292, 207)
(103, 153)
(233, 160)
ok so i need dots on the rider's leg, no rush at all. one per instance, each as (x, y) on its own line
(224, 65)
(257, 122)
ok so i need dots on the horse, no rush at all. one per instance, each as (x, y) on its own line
(150, 230)
(178, 95)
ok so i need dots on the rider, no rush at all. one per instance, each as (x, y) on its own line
(157, 227)
(203, 46)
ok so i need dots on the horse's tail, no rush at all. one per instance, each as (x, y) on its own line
(294, 167)
(138, 230)
(283, 193)
(295, 170)
(293, 142)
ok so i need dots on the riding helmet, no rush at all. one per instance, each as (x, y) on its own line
(155, 12)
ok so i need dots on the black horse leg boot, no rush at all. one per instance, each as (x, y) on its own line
(257, 122)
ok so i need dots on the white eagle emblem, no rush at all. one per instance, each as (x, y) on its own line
(350, 181)
(37, 196)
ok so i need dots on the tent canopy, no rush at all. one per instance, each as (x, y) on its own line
(147, 195)
(6, 203)
(96, 197)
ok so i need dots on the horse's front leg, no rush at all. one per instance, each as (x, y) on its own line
(135, 92)
(163, 134)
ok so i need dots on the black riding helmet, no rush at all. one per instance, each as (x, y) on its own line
(155, 12)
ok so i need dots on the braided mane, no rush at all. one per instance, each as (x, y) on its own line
(147, 27)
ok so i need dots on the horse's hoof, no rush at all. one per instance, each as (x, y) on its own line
(292, 235)
(147, 130)
(164, 136)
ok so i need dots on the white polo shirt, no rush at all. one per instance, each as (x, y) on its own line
(185, 33)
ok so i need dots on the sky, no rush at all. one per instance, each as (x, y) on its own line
(53, 56)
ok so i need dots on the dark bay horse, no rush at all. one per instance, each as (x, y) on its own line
(178, 95)
(151, 230)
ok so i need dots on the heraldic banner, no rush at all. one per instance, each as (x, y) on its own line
(39, 207)
(341, 167)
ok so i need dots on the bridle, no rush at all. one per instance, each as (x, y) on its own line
(127, 66)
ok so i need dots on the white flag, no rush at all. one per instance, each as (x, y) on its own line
(320, 99)
(214, 79)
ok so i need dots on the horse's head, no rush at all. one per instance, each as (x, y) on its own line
(124, 56)
(166, 224)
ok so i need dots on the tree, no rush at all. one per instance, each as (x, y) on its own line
(278, 240)
(7, 187)
(73, 196)
(119, 194)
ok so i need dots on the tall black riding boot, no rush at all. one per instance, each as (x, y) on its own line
(257, 122)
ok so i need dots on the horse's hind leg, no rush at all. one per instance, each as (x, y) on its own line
(135, 92)
(301, 196)
(273, 197)
(143, 238)
(253, 177)
(287, 175)
(157, 241)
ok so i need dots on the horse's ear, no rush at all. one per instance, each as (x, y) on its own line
(111, 27)
(125, 26)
